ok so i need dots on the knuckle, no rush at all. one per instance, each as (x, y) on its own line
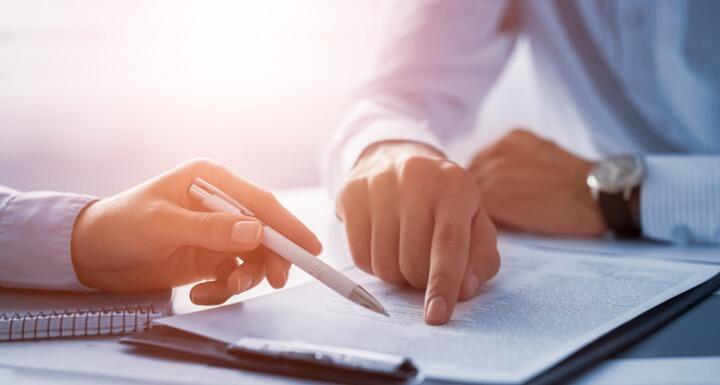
(497, 165)
(269, 198)
(414, 274)
(262, 198)
(362, 261)
(504, 143)
(360, 253)
(518, 132)
(351, 192)
(154, 210)
(511, 139)
(382, 181)
(385, 267)
(494, 150)
(207, 223)
(389, 276)
(415, 167)
(457, 179)
(453, 171)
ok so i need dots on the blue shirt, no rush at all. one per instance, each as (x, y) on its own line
(643, 76)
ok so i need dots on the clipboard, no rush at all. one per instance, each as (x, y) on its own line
(627, 335)
(296, 362)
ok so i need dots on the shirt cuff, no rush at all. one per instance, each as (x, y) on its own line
(679, 199)
(35, 237)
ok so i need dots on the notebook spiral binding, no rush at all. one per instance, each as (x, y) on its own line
(82, 322)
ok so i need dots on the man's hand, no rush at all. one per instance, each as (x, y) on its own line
(531, 184)
(154, 236)
(413, 217)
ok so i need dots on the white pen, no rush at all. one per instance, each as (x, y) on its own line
(216, 200)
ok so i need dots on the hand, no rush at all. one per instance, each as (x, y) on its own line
(530, 184)
(413, 217)
(154, 236)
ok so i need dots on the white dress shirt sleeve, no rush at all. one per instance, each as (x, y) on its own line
(680, 198)
(35, 235)
(439, 60)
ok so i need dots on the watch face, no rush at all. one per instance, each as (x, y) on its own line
(616, 174)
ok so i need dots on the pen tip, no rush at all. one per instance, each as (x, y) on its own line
(363, 298)
(380, 310)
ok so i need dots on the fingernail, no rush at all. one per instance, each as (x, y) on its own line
(470, 285)
(245, 232)
(195, 297)
(243, 283)
(285, 277)
(436, 311)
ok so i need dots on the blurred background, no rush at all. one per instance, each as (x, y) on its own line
(96, 96)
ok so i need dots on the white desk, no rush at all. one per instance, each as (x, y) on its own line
(104, 361)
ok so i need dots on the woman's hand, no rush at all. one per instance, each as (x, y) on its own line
(155, 236)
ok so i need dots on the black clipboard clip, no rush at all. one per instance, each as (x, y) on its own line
(295, 359)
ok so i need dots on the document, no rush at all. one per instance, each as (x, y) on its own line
(610, 246)
(539, 309)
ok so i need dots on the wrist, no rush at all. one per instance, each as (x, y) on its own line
(81, 242)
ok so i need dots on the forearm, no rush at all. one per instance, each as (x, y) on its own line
(35, 237)
(680, 198)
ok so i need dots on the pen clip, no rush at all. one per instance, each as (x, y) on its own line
(201, 187)
(328, 356)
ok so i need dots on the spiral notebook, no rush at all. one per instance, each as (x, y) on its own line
(36, 314)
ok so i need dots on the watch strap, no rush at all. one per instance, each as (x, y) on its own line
(618, 216)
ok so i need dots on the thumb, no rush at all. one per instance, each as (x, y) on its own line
(215, 231)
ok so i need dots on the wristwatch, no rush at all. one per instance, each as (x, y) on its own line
(615, 184)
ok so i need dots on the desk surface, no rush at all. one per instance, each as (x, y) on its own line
(686, 351)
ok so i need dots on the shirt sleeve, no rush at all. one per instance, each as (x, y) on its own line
(438, 61)
(35, 235)
(680, 198)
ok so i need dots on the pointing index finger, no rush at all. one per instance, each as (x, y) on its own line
(448, 260)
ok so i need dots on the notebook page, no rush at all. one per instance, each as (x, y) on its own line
(540, 308)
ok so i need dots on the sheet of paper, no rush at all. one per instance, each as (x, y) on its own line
(539, 309)
(610, 246)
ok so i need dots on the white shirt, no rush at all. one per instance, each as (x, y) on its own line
(35, 236)
(643, 76)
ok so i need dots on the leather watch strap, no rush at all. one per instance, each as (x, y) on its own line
(617, 215)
